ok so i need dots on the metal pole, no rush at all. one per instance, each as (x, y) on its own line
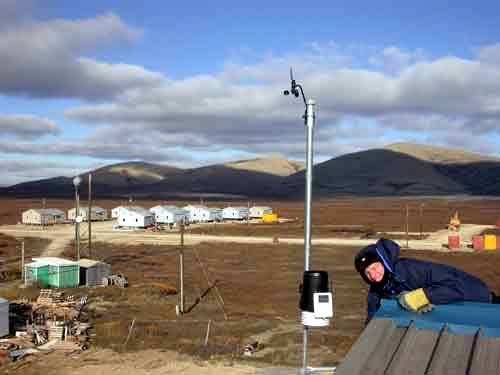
(90, 215)
(309, 119)
(77, 224)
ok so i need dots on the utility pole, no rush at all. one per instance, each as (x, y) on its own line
(76, 182)
(421, 220)
(181, 269)
(22, 262)
(407, 226)
(90, 215)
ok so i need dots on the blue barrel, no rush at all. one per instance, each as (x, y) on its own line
(314, 282)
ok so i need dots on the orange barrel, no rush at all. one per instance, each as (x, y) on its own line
(454, 242)
(490, 242)
(478, 242)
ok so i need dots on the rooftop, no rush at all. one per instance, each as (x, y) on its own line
(52, 261)
(461, 338)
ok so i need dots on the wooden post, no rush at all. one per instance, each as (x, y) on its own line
(90, 215)
(129, 333)
(208, 332)
(407, 225)
(22, 262)
(421, 220)
(181, 269)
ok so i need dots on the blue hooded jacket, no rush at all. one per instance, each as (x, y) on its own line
(441, 283)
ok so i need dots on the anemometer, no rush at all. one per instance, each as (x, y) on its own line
(316, 300)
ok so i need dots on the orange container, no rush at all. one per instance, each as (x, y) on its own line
(478, 242)
(490, 242)
(453, 242)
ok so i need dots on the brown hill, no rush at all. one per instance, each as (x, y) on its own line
(439, 155)
(377, 172)
(274, 165)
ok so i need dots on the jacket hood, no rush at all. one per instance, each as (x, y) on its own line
(386, 251)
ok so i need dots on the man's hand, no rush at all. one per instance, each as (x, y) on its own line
(415, 301)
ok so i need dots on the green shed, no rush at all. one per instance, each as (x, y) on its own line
(36, 274)
(62, 273)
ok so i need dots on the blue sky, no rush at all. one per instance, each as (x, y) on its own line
(85, 84)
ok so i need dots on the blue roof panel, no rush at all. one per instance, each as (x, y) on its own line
(463, 317)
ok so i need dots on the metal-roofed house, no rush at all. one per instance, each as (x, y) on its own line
(235, 213)
(115, 212)
(256, 212)
(97, 213)
(459, 339)
(92, 272)
(199, 213)
(169, 214)
(43, 216)
(135, 217)
(54, 272)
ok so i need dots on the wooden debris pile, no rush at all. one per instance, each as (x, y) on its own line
(53, 322)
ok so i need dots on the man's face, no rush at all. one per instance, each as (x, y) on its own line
(375, 272)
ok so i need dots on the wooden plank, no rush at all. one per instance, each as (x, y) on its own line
(414, 353)
(381, 357)
(366, 344)
(486, 356)
(452, 354)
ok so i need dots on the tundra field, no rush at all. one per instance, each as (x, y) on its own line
(254, 285)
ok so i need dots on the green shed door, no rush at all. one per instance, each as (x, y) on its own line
(68, 276)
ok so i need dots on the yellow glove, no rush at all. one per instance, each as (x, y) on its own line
(415, 301)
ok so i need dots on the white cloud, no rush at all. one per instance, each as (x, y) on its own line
(45, 59)
(490, 54)
(27, 126)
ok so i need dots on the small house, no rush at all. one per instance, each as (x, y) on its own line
(97, 214)
(169, 214)
(54, 272)
(92, 272)
(115, 212)
(200, 214)
(4, 317)
(235, 213)
(43, 216)
(257, 212)
(135, 217)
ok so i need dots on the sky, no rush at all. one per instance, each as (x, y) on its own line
(191, 83)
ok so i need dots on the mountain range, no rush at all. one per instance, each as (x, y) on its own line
(398, 169)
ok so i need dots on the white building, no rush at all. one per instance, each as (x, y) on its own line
(198, 213)
(98, 213)
(115, 212)
(136, 217)
(259, 211)
(43, 216)
(169, 214)
(235, 213)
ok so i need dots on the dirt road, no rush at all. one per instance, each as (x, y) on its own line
(62, 235)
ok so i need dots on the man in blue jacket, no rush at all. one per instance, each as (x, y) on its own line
(416, 284)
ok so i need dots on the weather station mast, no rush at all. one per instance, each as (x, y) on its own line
(316, 299)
